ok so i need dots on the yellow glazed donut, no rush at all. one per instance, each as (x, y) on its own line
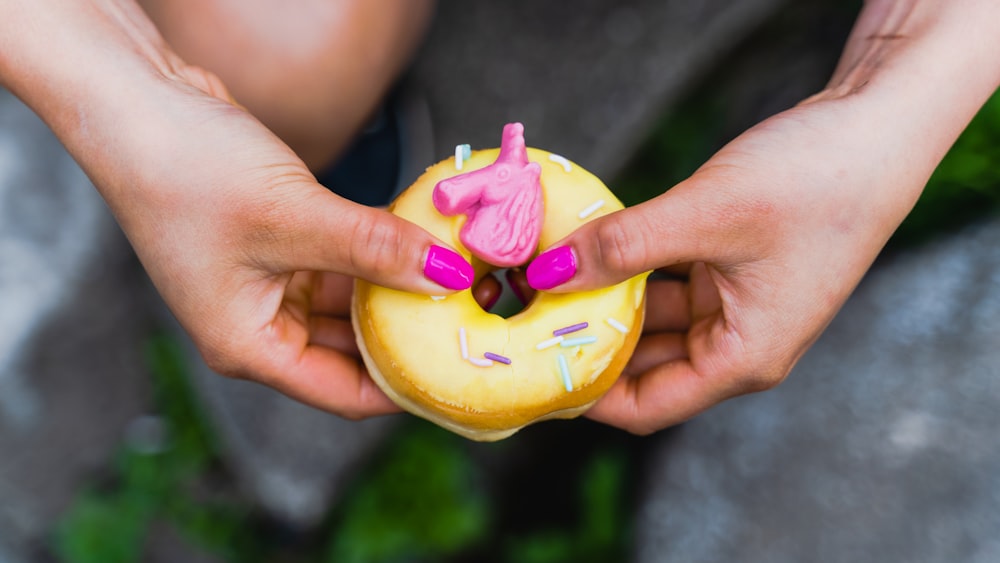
(476, 373)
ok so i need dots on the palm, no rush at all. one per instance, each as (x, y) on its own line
(776, 229)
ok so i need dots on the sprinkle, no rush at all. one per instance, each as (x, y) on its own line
(548, 343)
(462, 153)
(561, 160)
(463, 343)
(617, 325)
(570, 328)
(497, 358)
(590, 209)
(437, 297)
(481, 362)
(564, 372)
(570, 342)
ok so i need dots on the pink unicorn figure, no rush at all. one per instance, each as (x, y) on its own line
(502, 203)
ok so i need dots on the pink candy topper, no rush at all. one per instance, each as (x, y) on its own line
(502, 203)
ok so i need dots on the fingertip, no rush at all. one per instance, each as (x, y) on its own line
(552, 268)
(447, 268)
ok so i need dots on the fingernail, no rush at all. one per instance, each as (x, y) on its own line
(493, 300)
(551, 268)
(448, 269)
(512, 283)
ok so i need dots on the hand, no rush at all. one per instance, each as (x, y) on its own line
(772, 234)
(764, 244)
(253, 257)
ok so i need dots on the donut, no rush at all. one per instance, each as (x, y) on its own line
(476, 373)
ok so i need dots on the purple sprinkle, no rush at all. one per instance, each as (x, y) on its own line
(569, 329)
(496, 358)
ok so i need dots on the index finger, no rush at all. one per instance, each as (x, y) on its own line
(663, 396)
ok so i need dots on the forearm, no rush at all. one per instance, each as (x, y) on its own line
(922, 69)
(99, 74)
(60, 56)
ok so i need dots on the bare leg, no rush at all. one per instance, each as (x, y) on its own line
(312, 71)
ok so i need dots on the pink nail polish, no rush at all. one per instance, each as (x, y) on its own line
(551, 268)
(448, 269)
(493, 300)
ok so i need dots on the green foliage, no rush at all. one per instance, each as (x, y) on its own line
(602, 528)
(421, 499)
(965, 186)
(419, 502)
(679, 144)
(103, 529)
(110, 525)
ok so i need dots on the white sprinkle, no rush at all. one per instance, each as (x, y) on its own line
(564, 372)
(458, 157)
(561, 160)
(481, 362)
(617, 325)
(463, 343)
(549, 343)
(437, 297)
(590, 209)
(571, 342)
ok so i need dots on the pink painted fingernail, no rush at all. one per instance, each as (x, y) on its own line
(448, 269)
(493, 300)
(551, 268)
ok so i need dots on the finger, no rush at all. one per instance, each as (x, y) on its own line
(518, 283)
(668, 307)
(666, 395)
(337, 334)
(330, 381)
(655, 349)
(310, 228)
(332, 295)
(487, 292)
(699, 220)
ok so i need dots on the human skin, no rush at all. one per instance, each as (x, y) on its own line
(774, 232)
(254, 258)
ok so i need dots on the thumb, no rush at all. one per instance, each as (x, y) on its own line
(690, 223)
(324, 232)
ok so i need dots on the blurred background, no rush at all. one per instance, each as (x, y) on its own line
(116, 446)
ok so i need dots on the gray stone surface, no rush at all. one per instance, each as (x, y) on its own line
(71, 320)
(588, 79)
(881, 446)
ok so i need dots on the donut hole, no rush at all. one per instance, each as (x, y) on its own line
(508, 304)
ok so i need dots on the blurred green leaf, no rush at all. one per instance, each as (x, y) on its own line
(965, 186)
(601, 530)
(419, 502)
(99, 529)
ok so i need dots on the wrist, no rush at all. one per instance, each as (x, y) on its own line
(912, 76)
(64, 58)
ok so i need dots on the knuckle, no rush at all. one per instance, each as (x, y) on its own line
(376, 245)
(758, 377)
(225, 357)
(351, 414)
(619, 248)
(641, 429)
